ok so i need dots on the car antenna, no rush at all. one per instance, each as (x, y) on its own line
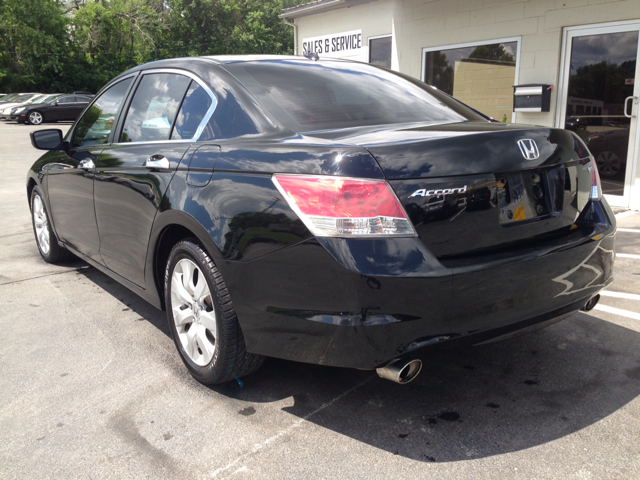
(311, 56)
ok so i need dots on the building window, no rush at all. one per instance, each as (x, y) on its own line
(482, 75)
(380, 51)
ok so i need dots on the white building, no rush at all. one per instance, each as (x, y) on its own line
(477, 50)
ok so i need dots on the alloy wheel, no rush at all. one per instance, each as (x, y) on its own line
(35, 118)
(609, 164)
(193, 312)
(41, 224)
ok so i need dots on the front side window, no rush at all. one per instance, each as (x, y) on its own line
(67, 99)
(154, 107)
(482, 76)
(95, 125)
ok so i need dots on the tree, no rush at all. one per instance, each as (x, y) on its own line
(491, 54)
(32, 45)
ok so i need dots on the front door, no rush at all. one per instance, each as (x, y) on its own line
(600, 102)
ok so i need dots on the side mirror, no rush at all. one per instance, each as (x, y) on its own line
(49, 139)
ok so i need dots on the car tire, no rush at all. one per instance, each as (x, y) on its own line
(609, 164)
(46, 239)
(215, 351)
(35, 118)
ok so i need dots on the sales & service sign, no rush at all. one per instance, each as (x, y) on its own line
(337, 45)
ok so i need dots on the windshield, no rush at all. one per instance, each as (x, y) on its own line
(26, 98)
(51, 98)
(10, 97)
(37, 99)
(307, 96)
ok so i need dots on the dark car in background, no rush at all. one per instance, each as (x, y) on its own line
(610, 150)
(10, 113)
(321, 211)
(65, 107)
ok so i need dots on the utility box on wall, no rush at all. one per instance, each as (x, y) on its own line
(532, 98)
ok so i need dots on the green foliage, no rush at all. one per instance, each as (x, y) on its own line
(603, 81)
(62, 45)
(493, 54)
(32, 43)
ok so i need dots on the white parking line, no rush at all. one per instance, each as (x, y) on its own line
(628, 296)
(627, 255)
(630, 230)
(628, 213)
(618, 311)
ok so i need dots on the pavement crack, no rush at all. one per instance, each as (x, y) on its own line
(290, 428)
(81, 269)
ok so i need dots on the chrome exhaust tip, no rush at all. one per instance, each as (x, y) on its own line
(593, 301)
(401, 371)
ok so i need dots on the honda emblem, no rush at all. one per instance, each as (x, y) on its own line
(529, 149)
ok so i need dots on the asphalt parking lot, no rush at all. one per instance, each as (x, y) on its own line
(91, 387)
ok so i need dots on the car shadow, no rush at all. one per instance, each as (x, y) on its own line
(466, 404)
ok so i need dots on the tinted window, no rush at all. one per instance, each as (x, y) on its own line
(154, 107)
(95, 125)
(308, 96)
(380, 51)
(195, 106)
(481, 76)
(83, 99)
(67, 99)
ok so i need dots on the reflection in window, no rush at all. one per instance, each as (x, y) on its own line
(154, 107)
(602, 76)
(342, 95)
(95, 125)
(481, 76)
(195, 106)
(380, 51)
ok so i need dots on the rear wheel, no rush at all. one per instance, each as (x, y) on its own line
(35, 118)
(45, 237)
(609, 164)
(202, 319)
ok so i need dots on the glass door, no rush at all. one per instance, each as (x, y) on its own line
(600, 101)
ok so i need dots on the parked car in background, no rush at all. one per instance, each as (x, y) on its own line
(19, 99)
(285, 207)
(9, 113)
(64, 107)
(610, 150)
(9, 98)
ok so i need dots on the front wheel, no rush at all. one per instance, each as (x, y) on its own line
(36, 118)
(46, 239)
(202, 319)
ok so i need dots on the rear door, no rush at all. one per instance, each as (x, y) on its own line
(132, 174)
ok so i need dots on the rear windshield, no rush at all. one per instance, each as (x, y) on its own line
(307, 96)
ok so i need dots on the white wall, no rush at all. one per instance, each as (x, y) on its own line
(423, 23)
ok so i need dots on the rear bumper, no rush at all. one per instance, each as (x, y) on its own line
(360, 302)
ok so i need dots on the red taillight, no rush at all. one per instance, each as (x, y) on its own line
(338, 206)
(596, 189)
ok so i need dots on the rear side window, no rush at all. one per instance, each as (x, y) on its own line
(95, 125)
(154, 107)
(195, 106)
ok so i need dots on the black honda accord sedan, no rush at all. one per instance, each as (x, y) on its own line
(323, 211)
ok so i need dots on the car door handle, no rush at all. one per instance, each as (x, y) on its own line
(157, 161)
(86, 164)
(635, 102)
